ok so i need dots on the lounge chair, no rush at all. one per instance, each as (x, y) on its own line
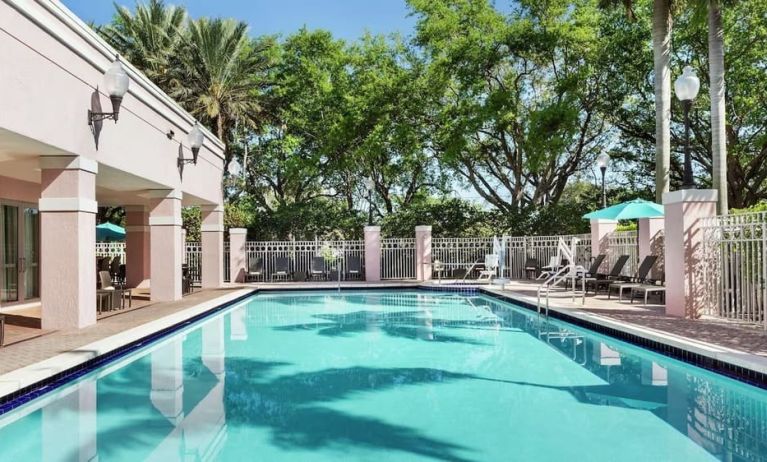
(354, 267)
(255, 268)
(604, 280)
(639, 278)
(551, 268)
(595, 264)
(318, 268)
(650, 286)
(281, 268)
(532, 266)
(491, 268)
(117, 292)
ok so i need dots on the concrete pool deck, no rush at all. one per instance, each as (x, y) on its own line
(28, 362)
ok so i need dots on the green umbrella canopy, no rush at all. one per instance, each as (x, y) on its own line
(109, 232)
(631, 210)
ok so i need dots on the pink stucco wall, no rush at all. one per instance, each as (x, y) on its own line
(372, 253)
(423, 253)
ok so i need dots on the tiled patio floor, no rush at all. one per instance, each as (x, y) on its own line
(28, 352)
(740, 336)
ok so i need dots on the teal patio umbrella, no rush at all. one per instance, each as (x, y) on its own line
(108, 232)
(631, 210)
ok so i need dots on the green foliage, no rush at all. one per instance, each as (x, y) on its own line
(190, 217)
(447, 217)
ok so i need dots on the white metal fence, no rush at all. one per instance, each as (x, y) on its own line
(460, 254)
(338, 255)
(111, 249)
(733, 264)
(193, 260)
(398, 258)
(623, 243)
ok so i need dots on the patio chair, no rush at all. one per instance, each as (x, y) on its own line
(114, 267)
(116, 292)
(491, 268)
(281, 268)
(354, 267)
(532, 266)
(549, 269)
(104, 263)
(604, 280)
(649, 287)
(255, 268)
(595, 264)
(639, 278)
(318, 268)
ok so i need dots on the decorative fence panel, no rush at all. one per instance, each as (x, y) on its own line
(461, 253)
(623, 243)
(543, 248)
(398, 258)
(111, 249)
(337, 255)
(193, 259)
(733, 265)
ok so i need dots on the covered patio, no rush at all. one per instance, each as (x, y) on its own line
(64, 152)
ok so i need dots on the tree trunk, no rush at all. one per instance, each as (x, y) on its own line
(716, 90)
(661, 47)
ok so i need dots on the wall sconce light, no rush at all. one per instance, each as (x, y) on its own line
(116, 83)
(195, 139)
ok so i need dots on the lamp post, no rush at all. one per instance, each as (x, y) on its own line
(603, 161)
(686, 88)
(369, 185)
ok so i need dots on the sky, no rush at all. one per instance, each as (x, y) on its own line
(347, 19)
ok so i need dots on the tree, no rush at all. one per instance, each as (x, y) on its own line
(521, 106)
(220, 75)
(149, 38)
(717, 95)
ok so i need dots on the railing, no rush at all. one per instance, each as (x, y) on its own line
(193, 259)
(733, 264)
(111, 249)
(460, 254)
(542, 248)
(300, 254)
(398, 258)
(623, 243)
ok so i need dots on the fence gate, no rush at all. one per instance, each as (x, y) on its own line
(733, 265)
(398, 258)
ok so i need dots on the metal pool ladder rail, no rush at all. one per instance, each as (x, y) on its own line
(562, 274)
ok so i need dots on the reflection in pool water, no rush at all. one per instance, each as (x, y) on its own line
(390, 376)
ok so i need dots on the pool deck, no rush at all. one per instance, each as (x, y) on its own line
(39, 355)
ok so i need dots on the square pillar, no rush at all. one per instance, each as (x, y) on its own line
(423, 253)
(600, 232)
(212, 243)
(137, 264)
(165, 245)
(650, 233)
(238, 254)
(372, 253)
(683, 211)
(167, 372)
(68, 241)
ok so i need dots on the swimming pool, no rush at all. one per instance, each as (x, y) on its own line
(390, 376)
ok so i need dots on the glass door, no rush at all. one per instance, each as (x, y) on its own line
(30, 261)
(9, 246)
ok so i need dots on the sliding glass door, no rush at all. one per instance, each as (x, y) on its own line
(19, 253)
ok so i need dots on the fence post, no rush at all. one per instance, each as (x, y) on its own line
(649, 232)
(372, 253)
(600, 234)
(423, 253)
(684, 274)
(238, 254)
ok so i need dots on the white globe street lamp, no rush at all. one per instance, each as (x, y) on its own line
(686, 88)
(603, 161)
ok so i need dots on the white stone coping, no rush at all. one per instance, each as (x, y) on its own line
(212, 227)
(34, 373)
(69, 163)
(372, 229)
(67, 204)
(238, 231)
(423, 228)
(727, 355)
(690, 195)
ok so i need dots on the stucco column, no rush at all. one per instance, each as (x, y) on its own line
(212, 242)
(372, 253)
(684, 283)
(167, 372)
(137, 264)
(600, 231)
(423, 253)
(68, 241)
(238, 254)
(165, 245)
(650, 233)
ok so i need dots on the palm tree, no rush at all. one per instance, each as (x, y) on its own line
(149, 37)
(221, 70)
(661, 47)
(717, 95)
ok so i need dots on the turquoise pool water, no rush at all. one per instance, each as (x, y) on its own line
(390, 376)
